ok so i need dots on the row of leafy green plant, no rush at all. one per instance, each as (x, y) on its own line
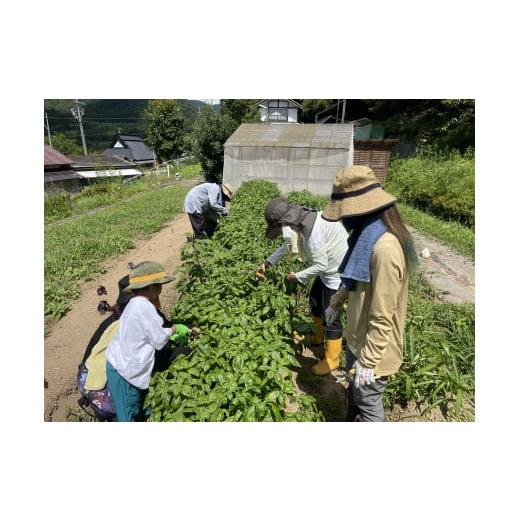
(439, 344)
(76, 250)
(241, 368)
(105, 192)
(442, 186)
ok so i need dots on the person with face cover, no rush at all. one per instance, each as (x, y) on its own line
(374, 279)
(322, 245)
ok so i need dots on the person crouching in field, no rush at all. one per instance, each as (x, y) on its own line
(130, 356)
(374, 279)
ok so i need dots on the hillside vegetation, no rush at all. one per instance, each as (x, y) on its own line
(442, 186)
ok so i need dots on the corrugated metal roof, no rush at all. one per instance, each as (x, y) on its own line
(54, 158)
(292, 135)
(97, 161)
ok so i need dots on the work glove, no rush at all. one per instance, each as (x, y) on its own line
(364, 375)
(335, 305)
(181, 333)
(225, 213)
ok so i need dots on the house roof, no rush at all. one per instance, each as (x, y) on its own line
(62, 175)
(52, 157)
(264, 100)
(291, 135)
(134, 148)
(95, 162)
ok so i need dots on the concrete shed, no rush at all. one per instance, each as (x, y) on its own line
(295, 156)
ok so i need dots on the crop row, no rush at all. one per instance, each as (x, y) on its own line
(241, 366)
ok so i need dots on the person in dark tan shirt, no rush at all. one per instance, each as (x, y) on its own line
(374, 279)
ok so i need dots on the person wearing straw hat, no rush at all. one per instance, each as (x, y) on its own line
(204, 204)
(323, 245)
(374, 278)
(130, 356)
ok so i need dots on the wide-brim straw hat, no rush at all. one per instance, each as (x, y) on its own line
(227, 189)
(147, 273)
(356, 191)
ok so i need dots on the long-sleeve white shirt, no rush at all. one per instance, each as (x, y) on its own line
(132, 350)
(204, 198)
(323, 251)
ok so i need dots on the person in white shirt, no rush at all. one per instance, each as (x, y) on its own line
(204, 204)
(130, 355)
(323, 245)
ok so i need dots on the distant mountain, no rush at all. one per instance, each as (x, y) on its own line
(103, 118)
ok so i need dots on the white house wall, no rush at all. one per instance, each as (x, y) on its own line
(292, 168)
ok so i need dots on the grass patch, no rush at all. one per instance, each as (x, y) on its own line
(439, 355)
(75, 251)
(451, 233)
(443, 186)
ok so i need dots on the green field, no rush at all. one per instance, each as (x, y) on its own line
(76, 250)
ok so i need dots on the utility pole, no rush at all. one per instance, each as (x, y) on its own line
(343, 112)
(78, 111)
(48, 128)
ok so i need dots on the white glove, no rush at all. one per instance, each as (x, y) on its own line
(364, 375)
(336, 304)
(331, 314)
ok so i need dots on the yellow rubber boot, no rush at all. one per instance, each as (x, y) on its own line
(331, 360)
(318, 332)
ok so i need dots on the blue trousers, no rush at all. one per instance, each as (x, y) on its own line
(128, 399)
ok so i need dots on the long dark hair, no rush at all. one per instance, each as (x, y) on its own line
(392, 220)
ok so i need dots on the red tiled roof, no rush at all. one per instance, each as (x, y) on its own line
(54, 158)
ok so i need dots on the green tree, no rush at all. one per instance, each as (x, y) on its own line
(165, 128)
(445, 123)
(241, 110)
(64, 144)
(210, 132)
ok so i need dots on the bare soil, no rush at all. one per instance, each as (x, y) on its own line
(452, 274)
(67, 339)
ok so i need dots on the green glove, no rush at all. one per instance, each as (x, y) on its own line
(181, 333)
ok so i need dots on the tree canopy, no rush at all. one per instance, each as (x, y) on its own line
(165, 128)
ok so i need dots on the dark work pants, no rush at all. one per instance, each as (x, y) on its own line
(319, 299)
(203, 227)
(366, 402)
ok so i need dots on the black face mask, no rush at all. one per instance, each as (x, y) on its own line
(360, 221)
(350, 223)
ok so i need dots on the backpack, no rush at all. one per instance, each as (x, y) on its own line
(98, 402)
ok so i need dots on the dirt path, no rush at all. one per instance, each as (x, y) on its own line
(452, 274)
(66, 343)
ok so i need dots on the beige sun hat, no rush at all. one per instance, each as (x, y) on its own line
(145, 274)
(356, 191)
(227, 189)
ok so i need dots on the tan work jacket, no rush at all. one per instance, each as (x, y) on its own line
(376, 312)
